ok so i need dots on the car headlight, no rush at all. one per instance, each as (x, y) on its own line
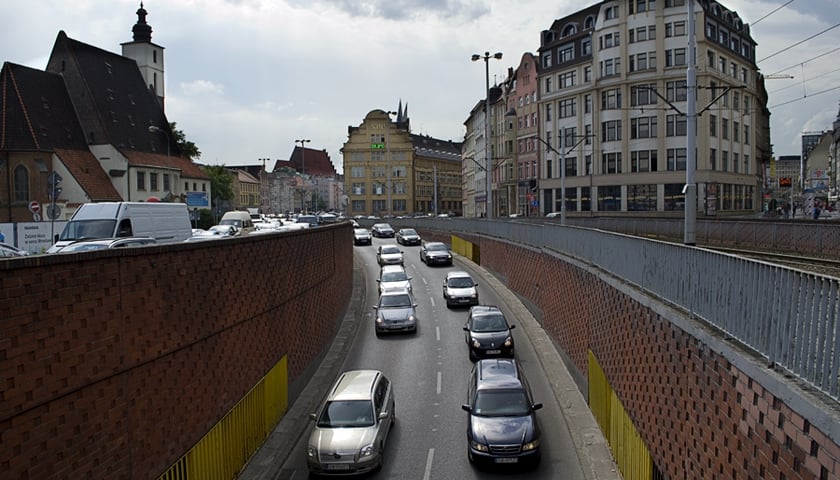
(479, 446)
(532, 445)
(411, 318)
(509, 341)
(366, 451)
(311, 452)
(475, 343)
(378, 319)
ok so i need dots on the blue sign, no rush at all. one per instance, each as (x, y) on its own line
(197, 199)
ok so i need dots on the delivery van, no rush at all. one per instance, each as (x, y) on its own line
(165, 222)
(239, 219)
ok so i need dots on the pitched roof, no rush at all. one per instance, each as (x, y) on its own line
(37, 112)
(188, 169)
(88, 172)
(433, 147)
(113, 104)
(311, 162)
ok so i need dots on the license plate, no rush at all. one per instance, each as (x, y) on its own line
(507, 460)
(339, 466)
(494, 352)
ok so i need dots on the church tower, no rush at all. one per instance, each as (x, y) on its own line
(149, 57)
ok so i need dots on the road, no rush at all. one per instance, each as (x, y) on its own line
(429, 371)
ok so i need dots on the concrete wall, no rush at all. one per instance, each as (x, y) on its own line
(702, 411)
(114, 363)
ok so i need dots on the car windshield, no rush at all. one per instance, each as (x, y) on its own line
(501, 403)
(390, 249)
(436, 247)
(361, 231)
(489, 323)
(83, 247)
(79, 229)
(394, 276)
(395, 301)
(460, 282)
(408, 231)
(347, 414)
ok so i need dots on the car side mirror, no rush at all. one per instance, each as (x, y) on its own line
(409, 278)
(312, 416)
(536, 406)
(376, 307)
(465, 407)
(512, 327)
(383, 415)
(466, 328)
(414, 304)
(378, 281)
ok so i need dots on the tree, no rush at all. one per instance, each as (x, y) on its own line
(221, 183)
(186, 147)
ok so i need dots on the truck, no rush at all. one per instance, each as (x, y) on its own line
(165, 222)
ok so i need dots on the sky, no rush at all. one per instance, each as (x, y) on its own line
(245, 79)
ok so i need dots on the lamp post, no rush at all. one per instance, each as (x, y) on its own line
(302, 142)
(488, 167)
(388, 165)
(153, 129)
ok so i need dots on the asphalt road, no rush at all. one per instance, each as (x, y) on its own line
(429, 371)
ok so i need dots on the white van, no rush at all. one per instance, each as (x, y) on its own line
(239, 219)
(165, 222)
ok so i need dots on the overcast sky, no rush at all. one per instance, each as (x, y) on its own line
(246, 78)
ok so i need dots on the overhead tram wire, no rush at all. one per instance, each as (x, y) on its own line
(772, 12)
(799, 42)
(805, 61)
(804, 97)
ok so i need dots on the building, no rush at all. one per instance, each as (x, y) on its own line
(89, 128)
(612, 112)
(391, 172)
(312, 178)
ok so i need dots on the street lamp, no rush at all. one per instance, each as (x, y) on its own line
(302, 142)
(388, 162)
(153, 129)
(488, 167)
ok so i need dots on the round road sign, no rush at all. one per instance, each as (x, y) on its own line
(34, 206)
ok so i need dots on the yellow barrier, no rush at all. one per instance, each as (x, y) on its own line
(465, 249)
(225, 449)
(628, 448)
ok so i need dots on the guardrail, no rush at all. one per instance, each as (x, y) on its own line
(789, 317)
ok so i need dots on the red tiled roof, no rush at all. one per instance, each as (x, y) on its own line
(88, 172)
(188, 169)
(312, 162)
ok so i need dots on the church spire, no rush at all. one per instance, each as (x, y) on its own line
(142, 30)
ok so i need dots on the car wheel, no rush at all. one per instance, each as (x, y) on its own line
(470, 455)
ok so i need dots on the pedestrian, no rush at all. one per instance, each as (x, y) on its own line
(794, 210)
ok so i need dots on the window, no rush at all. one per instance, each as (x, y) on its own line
(724, 160)
(676, 159)
(676, 126)
(546, 60)
(674, 3)
(21, 184)
(642, 95)
(586, 47)
(611, 131)
(736, 131)
(141, 180)
(587, 73)
(610, 67)
(566, 108)
(587, 131)
(609, 40)
(643, 161)
(710, 56)
(611, 99)
(724, 128)
(643, 127)
(675, 29)
(675, 57)
(722, 64)
(746, 134)
(643, 61)
(736, 100)
(569, 137)
(676, 91)
(153, 182)
(611, 12)
(609, 198)
(611, 162)
(640, 6)
(587, 103)
(565, 53)
(674, 197)
(547, 84)
(566, 80)
(548, 112)
(735, 162)
(641, 197)
(746, 105)
(713, 159)
(358, 189)
(713, 125)
(357, 172)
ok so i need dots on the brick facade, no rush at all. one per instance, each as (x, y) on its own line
(114, 368)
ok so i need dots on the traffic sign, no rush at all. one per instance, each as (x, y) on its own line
(53, 211)
(34, 206)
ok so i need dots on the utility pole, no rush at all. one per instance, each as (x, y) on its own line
(690, 189)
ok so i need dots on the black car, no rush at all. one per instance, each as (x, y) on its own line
(502, 428)
(361, 236)
(382, 230)
(435, 253)
(408, 236)
(488, 333)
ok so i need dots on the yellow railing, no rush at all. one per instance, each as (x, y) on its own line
(628, 448)
(225, 449)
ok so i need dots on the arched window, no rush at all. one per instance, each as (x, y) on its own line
(589, 23)
(570, 29)
(21, 184)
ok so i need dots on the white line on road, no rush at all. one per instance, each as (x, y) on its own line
(427, 474)
(438, 383)
(437, 332)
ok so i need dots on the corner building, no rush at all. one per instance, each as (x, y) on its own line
(612, 110)
(388, 171)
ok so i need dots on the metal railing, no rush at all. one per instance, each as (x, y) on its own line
(789, 317)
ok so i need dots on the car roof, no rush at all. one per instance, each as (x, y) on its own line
(484, 310)
(458, 273)
(395, 291)
(497, 373)
(394, 268)
(355, 385)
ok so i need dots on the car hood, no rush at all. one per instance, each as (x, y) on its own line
(493, 339)
(395, 314)
(507, 430)
(391, 256)
(460, 292)
(436, 253)
(411, 237)
(341, 439)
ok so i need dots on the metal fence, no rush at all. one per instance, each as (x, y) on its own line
(788, 316)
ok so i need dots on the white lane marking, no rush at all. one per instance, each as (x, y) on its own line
(437, 333)
(432, 299)
(424, 281)
(438, 382)
(429, 458)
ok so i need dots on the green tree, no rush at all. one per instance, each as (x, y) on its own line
(221, 184)
(186, 147)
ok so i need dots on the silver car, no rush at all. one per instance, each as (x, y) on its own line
(352, 425)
